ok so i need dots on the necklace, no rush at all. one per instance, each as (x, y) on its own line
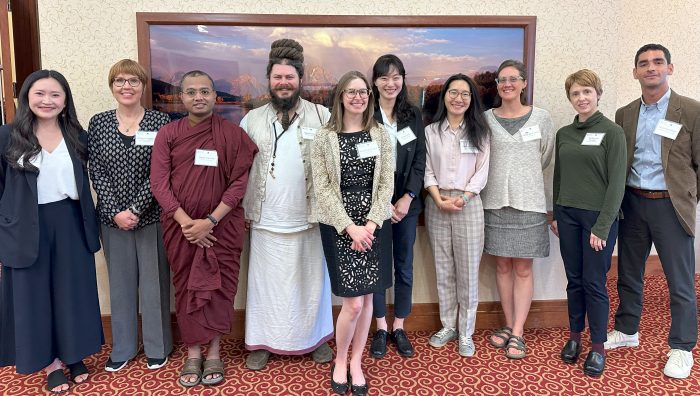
(134, 123)
(277, 138)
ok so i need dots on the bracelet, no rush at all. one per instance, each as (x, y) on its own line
(213, 220)
(465, 198)
(133, 210)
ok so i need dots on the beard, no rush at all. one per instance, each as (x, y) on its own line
(284, 104)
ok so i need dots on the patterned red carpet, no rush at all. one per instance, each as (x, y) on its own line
(431, 372)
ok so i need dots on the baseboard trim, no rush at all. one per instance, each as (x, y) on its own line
(426, 316)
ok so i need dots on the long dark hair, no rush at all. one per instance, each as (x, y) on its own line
(403, 109)
(475, 124)
(23, 142)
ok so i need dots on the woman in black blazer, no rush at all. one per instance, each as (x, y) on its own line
(49, 308)
(405, 126)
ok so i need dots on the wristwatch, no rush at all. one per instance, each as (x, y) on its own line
(213, 220)
(133, 210)
(465, 198)
(411, 194)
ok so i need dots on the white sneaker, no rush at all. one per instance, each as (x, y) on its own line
(617, 339)
(466, 346)
(442, 337)
(679, 364)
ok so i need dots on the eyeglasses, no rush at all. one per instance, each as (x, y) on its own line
(351, 93)
(193, 92)
(119, 82)
(511, 80)
(454, 93)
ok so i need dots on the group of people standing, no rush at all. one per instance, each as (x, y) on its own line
(331, 199)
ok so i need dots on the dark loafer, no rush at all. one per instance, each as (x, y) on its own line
(338, 388)
(403, 345)
(570, 352)
(378, 347)
(359, 390)
(594, 364)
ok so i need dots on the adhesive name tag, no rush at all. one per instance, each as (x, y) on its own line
(206, 158)
(668, 129)
(308, 133)
(367, 149)
(405, 135)
(531, 133)
(145, 138)
(593, 139)
(466, 148)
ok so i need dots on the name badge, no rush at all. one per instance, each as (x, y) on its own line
(531, 133)
(668, 129)
(465, 147)
(308, 133)
(405, 135)
(367, 149)
(145, 138)
(206, 158)
(592, 139)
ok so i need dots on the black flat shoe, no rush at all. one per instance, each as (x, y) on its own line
(340, 389)
(378, 347)
(569, 354)
(76, 370)
(55, 379)
(403, 345)
(594, 364)
(359, 390)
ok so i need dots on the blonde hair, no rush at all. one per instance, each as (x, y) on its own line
(584, 78)
(127, 66)
(336, 121)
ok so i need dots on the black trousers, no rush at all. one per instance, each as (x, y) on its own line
(654, 220)
(586, 270)
(404, 236)
(52, 304)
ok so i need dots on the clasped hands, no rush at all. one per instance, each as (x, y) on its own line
(452, 204)
(199, 232)
(362, 236)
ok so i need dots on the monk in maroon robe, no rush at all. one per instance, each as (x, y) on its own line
(199, 174)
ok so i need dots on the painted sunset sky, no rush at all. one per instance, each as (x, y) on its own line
(236, 56)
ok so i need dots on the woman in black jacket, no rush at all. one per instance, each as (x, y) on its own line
(49, 308)
(404, 123)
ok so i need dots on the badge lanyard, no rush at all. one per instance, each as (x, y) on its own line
(277, 138)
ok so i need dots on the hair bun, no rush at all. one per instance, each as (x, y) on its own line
(287, 48)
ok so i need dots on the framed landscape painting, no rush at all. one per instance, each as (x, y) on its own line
(234, 48)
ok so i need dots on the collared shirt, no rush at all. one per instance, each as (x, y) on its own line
(447, 167)
(647, 172)
(390, 127)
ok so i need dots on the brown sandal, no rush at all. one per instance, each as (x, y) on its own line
(193, 366)
(213, 367)
(518, 343)
(504, 333)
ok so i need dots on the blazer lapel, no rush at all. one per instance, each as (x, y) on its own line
(630, 121)
(31, 180)
(673, 113)
(77, 167)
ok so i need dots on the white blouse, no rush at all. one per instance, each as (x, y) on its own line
(56, 180)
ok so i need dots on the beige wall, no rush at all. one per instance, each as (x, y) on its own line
(83, 38)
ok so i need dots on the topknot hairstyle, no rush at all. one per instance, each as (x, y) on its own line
(286, 52)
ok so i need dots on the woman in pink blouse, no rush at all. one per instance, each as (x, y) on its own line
(457, 163)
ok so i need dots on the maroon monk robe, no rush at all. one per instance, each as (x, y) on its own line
(205, 280)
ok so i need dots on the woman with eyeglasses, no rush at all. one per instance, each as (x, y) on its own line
(589, 182)
(353, 169)
(515, 203)
(405, 126)
(456, 169)
(119, 149)
(49, 307)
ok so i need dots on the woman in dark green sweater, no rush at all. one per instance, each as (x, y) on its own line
(589, 183)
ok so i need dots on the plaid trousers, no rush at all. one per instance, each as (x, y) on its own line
(457, 240)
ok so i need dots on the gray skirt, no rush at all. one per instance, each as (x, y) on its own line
(511, 232)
